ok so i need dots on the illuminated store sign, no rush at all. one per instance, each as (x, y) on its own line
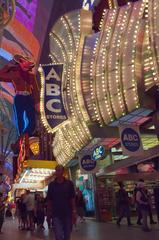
(88, 4)
(98, 153)
(87, 165)
(52, 108)
(104, 73)
(130, 140)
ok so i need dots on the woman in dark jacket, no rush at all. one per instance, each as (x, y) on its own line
(40, 211)
(80, 205)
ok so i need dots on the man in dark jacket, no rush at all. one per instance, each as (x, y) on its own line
(123, 204)
(61, 202)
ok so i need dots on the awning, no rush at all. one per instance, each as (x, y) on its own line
(147, 155)
(31, 186)
(35, 173)
(41, 164)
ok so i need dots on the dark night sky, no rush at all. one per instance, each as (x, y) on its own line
(59, 8)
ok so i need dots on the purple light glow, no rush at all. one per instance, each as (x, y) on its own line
(26, 13)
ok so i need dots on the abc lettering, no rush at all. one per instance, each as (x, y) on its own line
(129, 137)
(100, 150)
(53, 89)
(50, 105)
(53, 74)
(87, 161)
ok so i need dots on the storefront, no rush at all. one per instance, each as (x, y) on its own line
(108, 188)
(129, 171)
(113, 168)
(86, 184)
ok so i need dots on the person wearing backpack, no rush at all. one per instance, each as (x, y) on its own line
(123, 204)
(143, 203)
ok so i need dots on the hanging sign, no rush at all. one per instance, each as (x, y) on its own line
(87, 165)
(130, 140)
(52, 108)
(88, 4)
(98, 153)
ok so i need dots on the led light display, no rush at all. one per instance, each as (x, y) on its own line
(106, 74)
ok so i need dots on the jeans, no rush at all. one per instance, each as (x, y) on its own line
(40, 218)
(1, 218)
(124, 211)
(144, 216)
(139, 214)
(62, 227)
(157, 210)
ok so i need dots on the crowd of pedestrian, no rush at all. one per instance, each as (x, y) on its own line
(142, 202)
(4, 189)
(60, 208)
(63, 204)
(31, 210)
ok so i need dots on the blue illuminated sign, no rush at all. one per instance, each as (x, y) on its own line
(98, 153)
(87, 163)
(88, 4)
(52, 94)
(6, 55)
(130, 139)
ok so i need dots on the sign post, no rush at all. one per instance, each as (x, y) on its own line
(130, 140)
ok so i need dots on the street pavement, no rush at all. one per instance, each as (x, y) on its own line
(90, 230)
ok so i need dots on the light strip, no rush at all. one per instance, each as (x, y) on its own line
(24, 176)
(6, 55)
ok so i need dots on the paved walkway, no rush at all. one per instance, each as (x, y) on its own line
(87, 231)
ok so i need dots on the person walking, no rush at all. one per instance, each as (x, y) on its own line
(2, 211)
(4, 189)
(150, 207)
(40, 211)
(61, 202)
(80, 204)
(143, 203)
(123, 205)
(29, 200)
(18, 212)
(156, 196)
(49, 215)
(138, 209)
(13, 209)
(23, 213)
